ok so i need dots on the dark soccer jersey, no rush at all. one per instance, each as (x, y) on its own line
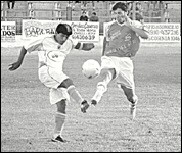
(121, 41)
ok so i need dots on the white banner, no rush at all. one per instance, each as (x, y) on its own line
(163, 32)
(8, 31)
(82, 30)
(36, 28)
(159, 32)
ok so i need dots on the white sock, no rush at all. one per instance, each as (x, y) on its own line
(102, 87)
(59, 123)
(99, 93)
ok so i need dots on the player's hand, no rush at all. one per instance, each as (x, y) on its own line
(88, 46)
(128, 21)
(14, 65)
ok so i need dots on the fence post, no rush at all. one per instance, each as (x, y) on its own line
(69, 13)
(4, 11)
(134, 10)
(31, 12)
(56, 5)
(57, 10)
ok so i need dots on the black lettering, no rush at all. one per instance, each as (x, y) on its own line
(3, 27)
(8, 33)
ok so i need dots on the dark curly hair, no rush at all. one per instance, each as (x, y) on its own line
(120, 5)
(64, 29)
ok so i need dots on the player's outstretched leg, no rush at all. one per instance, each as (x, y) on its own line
(77, 97)
(102, 86)
(74, 94)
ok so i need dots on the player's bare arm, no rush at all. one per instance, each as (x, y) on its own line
(140, 32)
(84, 46)
(143, 34)
(104, 46)
(16, 64)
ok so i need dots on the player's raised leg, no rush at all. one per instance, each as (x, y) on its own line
(73, 92)
(77, 97)
(107, 75)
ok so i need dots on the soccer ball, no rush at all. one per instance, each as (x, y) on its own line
(91, 69)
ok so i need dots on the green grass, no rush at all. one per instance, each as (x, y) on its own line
(27, 118)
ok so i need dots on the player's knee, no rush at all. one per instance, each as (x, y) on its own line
(132, 99)
(102, 73)
(61, 106)
(111, 73)
(102, 86)
(66, 84)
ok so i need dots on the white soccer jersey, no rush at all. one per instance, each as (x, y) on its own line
(51, 56)
(50, 52)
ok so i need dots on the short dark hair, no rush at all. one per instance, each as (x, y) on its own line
(120, 5)
(94, 13)
(64, 29)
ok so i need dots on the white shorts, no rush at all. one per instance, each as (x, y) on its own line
(56, 95)
(52, 79)
(124, 69)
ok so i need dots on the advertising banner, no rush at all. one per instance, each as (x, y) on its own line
(82, 30)
(36, 28)
(159, 32)
(163, 32)
(8, 31)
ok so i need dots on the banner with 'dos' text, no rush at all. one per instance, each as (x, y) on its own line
(8, 31)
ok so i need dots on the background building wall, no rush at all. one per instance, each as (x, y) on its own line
(54, 10)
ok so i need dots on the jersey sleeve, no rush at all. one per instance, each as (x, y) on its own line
(33, 45)
(137, 24)
(75, 42)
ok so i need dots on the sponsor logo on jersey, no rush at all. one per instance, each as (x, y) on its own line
(55, 56)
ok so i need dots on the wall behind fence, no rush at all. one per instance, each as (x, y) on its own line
(56, 10)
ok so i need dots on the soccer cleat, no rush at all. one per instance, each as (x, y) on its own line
(84, 106)
(93, 102)
(58, 139)
(133, 110)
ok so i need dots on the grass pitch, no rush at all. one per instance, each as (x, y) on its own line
(27, 118)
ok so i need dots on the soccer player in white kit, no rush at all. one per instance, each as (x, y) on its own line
(52, 51)
(119, 46)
